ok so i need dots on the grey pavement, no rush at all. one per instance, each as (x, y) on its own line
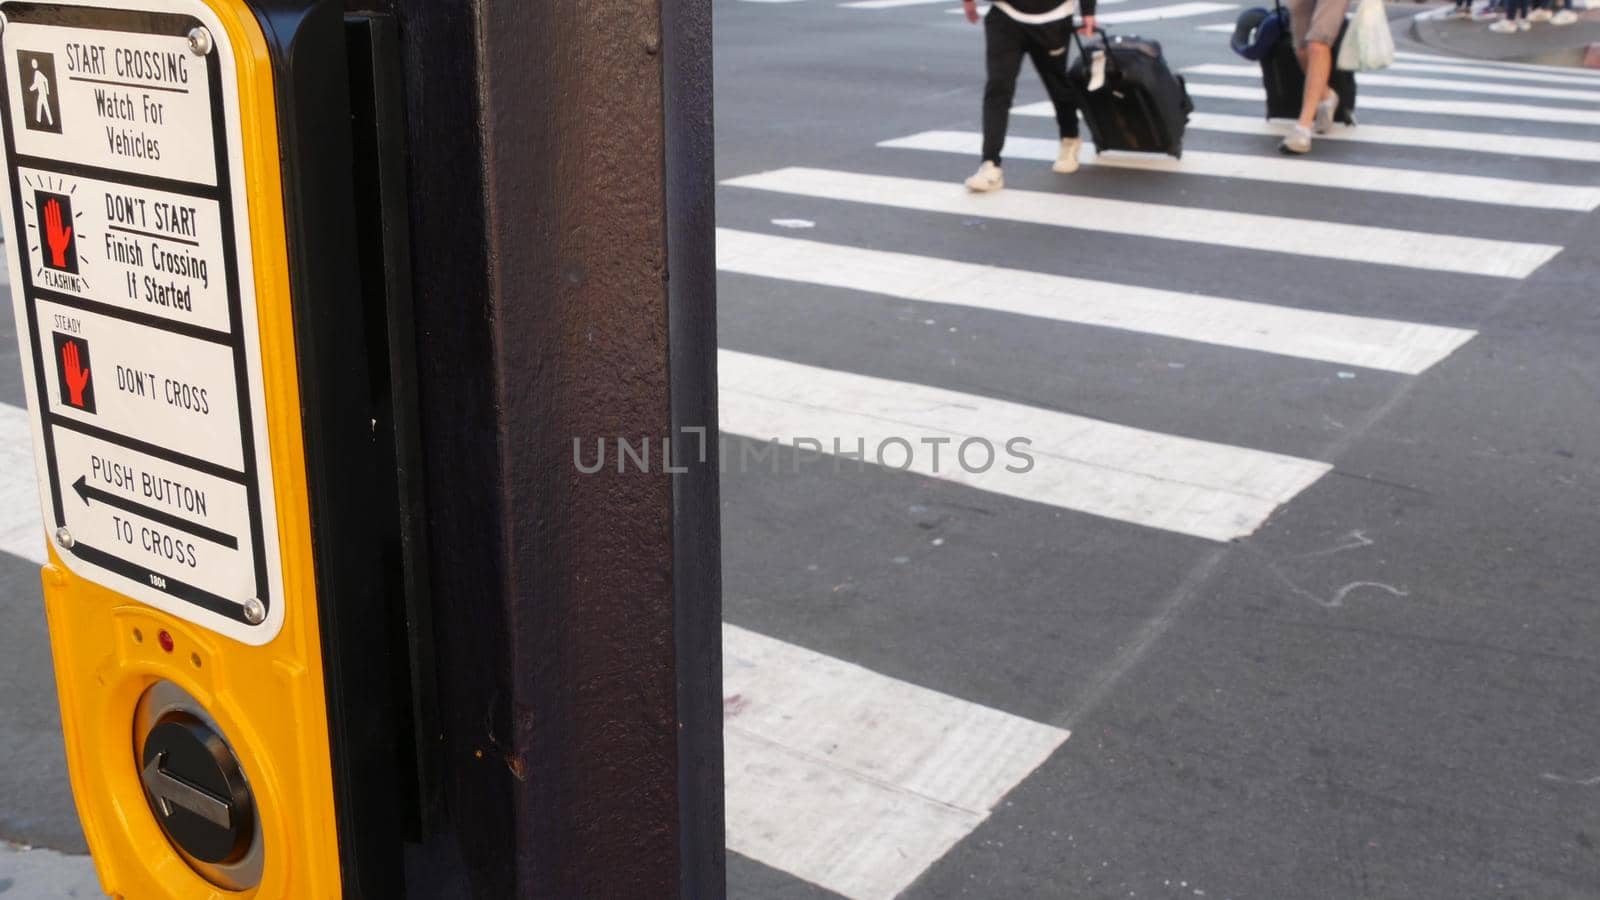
(1564, 45)
(33, 874)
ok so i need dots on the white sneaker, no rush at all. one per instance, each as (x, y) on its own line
(1540, 15)
(1504, 26)
(1067, 161)
(1297, 142)
(986, 179)
(1325, 110)
(1564, 17)
(1524, 25)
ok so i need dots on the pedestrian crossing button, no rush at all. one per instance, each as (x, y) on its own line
(197, 790)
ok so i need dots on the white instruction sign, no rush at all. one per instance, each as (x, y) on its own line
(133, 288)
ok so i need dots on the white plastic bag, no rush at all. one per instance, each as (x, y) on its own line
(1367, 43)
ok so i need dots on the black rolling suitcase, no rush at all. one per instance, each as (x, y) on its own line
(1285, 82)
(1142, 105)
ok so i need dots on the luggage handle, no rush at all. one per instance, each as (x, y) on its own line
(1111, 60)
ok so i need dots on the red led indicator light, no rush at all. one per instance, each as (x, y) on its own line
(165, 640)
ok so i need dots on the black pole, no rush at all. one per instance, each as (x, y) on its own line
(561, 216)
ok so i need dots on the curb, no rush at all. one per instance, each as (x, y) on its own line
(1424, 30)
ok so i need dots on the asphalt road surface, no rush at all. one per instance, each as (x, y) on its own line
(1297, 598)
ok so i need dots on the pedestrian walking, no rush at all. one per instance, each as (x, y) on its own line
(1556, 12)
(1516, 18)
(1042, 31)
(1315, 25)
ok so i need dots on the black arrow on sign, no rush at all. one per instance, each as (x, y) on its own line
(154, 515)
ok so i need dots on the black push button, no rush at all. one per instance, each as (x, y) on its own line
(197, 790)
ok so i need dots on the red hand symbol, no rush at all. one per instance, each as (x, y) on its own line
(77, 378)
(57, 237)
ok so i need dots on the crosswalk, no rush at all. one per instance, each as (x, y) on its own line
(1473, 85)
(1420, 192)
(1145, 14)
(852, 780)
(21, 527)
(1271, 234)
(1381, 179)
(1183, 9)
(1560, 115)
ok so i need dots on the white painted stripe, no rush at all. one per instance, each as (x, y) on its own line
(1488, 65)
(1177, 484)
(1383, 79)
(1326, 337)
(21, 523)
(1259, 167)
(1154, 13)
(1475, 108)
(1473, 71)
(983, 9)
(1257, 233)
(853, 780)
(1402, 136)
(889, 4)
(1226, 28)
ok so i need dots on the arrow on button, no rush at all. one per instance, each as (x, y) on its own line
(154, 515)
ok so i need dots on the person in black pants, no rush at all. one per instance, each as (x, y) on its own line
(1041, 30)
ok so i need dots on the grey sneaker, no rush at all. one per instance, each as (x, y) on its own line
(1325, 111)
(1296, 142)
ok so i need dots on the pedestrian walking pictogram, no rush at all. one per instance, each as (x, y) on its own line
(58, 238)
(73, 373)
(42, 109)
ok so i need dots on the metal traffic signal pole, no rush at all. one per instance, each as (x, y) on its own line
(560, 208)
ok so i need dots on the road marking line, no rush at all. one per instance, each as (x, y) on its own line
(1184, 485)
(983, 8)
(1217, 29)
(21, 522)
(1477, 72)
(1383, 79)
(1487, 65)
(1384, 344)
(853, 780)
(1259, 233)
(889, 4)
(1341, 176)
(1473, 108)
(1155, 13)
(1431, 138)
(1152, 13)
